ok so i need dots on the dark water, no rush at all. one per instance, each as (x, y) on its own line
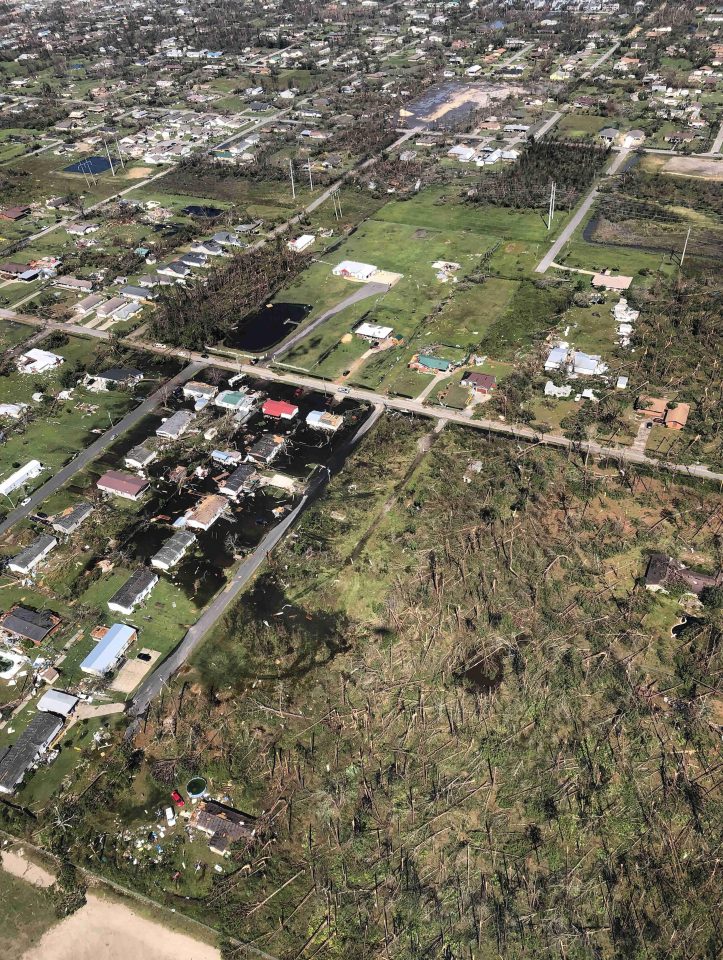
(688, 623)
(204, 213)
(484, 675)
(94, 165)
(267, 326)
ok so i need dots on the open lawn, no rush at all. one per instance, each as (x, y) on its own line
(12, 333)
(400, 248)
(441, 208)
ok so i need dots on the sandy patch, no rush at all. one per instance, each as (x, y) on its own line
(138, 173)
(347, 338)
(706, 168)
(112, 931)
(133, 671)
(18, 866)
(385, 276)
(104, 928)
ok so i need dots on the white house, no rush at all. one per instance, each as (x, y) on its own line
(373, 331)
(31, 470)
(301, 243)
(38, 361)
(353, 270)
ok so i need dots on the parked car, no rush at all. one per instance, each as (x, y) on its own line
(178, 799)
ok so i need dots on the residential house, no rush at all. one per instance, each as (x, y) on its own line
(373, 332)
(177, 270)
(608, 282)
(426, 363)
(206, 512)
(59, 702)
(279, 409)
(14, 213)
(24, 624)
(324, 420)
(552, 390)
(26, 561)
(223, 825)
(301, 243)
(243, 479)
(176, 425)
(111, 307)
(134, 591)
(480, 383)
(85, 306)
(71, 519)
(114, 378)
(663, 572)
(112, 644)
(37, 361)
(195, 390)
(266, 448)
(139, 457)
(33, 742)
(124, 485)
(31, 470)
(173, 550)
(354, 270)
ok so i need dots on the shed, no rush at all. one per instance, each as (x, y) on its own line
(57, 701)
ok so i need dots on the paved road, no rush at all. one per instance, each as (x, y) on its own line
(102, 443)
(600, 60)
(623, 454)
(361, 293)
(579, 215)
(246, 570)
(717, 143)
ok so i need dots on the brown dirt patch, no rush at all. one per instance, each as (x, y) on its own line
(139, 173)
(705, 168)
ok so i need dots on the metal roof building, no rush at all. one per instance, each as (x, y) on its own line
(242, 480)
(109, 650)
(173, 549)
(175, 425)
(69, 521)
(30, 557)
(32, 742)
(134, 590)
(57, 701)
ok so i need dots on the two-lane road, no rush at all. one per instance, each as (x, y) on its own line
(244, 572)
(82, 459)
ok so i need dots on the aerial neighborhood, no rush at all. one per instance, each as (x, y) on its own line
(361, 457)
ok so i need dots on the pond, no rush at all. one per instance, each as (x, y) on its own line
(90, 165)
(204, 213)
(267, 326)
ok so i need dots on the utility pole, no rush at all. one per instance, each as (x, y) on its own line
(685, 247)
(107, 153)
(293, 188)
(120, 155)
(551, 212)
(311, 182)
